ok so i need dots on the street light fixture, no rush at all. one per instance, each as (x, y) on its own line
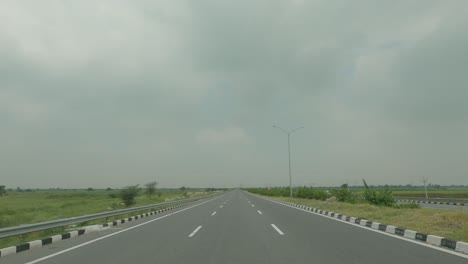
(288, 133)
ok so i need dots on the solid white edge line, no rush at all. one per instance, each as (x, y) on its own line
(259, 212)
(213, 213)
(195, 231)
(378, 232)
(113, 234)
(277, 229)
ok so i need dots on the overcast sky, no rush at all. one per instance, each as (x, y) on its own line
(113, 93)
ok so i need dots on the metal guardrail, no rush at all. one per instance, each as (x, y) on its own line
(29, 228)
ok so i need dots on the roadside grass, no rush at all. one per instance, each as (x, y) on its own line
(33, 207)
(445, 223)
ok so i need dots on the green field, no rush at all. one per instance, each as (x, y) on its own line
(449, 224)
(17, 208)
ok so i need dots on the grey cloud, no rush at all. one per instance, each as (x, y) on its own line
(133, 91)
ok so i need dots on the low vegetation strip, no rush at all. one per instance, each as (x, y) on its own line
(448, 224)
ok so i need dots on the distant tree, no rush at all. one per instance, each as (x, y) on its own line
(2, 190)
(183, 188)
(128, 194)
(150, 188)
(109, 189)
(90, 189)
(18, 189)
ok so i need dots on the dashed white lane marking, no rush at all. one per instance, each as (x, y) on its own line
(253, 205)
(259, 212)
(195, 231)
(213, 213)
(221, 206)
(277, 229)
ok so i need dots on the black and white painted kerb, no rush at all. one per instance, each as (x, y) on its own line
(431, 202)
(84, 230)
(410, 234)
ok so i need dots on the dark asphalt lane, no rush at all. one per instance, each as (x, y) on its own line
(330, 241)
(237, 233)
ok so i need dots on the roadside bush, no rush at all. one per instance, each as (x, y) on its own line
(381, 197)
(2, 190)
(311, 193)
(277, 191)
(128, 194)
(150, 188)
(343, 195)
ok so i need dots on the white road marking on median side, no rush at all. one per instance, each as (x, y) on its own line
(277, 229)
(113, 234)
(213, 213)
(259, 212)
(195, 231)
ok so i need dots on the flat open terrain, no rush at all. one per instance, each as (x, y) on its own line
(234, 228)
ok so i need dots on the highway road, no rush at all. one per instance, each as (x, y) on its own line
(237, 228)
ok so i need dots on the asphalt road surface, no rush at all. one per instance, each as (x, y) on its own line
(237, 228)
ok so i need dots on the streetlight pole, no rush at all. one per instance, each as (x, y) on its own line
(288, 133)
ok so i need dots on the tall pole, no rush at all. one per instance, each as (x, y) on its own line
(425, 189)
(288, 133)
(289, 156)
